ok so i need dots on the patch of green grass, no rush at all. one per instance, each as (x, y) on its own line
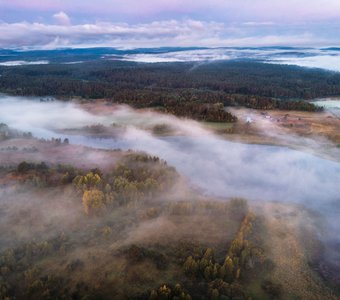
(218, 125)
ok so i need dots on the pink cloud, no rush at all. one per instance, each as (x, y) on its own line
(62, 18)
(215, 22)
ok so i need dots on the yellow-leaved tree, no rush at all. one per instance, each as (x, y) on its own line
(93, 201)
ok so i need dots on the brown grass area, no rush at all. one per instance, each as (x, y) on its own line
(75, 155)
(316, 133)
(288, 251)
(305, 123)
(212, 230)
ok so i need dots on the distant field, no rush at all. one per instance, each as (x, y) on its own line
(219, 125)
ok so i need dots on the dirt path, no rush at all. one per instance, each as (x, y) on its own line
(288, 252)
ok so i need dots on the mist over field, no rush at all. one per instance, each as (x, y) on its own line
(216, 166)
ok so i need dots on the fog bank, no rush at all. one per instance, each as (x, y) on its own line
(217, 166)
(212, 164)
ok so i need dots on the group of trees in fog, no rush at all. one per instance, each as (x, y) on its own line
(138, 176)
(7, 133)
(22, 260)
(198, 271)
(168, 293)
(41, 175)
(135, 178)
(128, 182)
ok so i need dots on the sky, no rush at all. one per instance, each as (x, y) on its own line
(52, 24)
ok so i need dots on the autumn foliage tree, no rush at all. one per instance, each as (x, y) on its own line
(93, 201)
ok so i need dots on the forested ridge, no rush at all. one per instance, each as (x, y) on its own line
(177, 86)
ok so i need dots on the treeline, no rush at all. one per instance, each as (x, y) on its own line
(224, 279)
(265, 103)
(8, 133)
(41, 175)
(201, 111)
(250, 84)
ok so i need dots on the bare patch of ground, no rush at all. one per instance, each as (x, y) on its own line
(287, 227)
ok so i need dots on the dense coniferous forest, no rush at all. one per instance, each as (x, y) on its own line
(177, 87)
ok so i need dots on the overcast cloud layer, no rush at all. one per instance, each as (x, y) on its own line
(151, 23)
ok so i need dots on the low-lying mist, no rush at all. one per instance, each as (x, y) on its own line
(216, 166)
(312, 58)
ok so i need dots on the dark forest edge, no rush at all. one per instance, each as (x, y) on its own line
(198, 91)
